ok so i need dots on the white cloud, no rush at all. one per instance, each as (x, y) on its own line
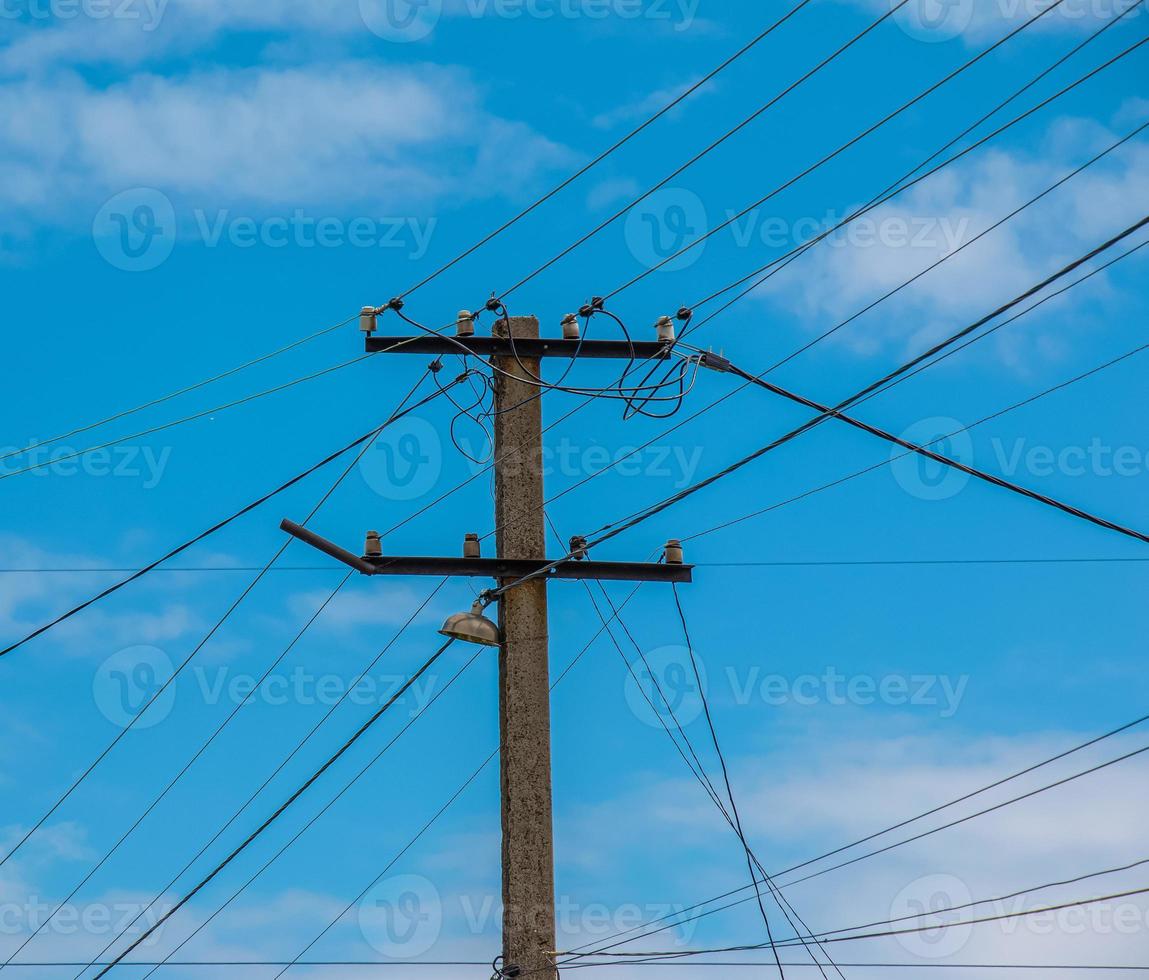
(640, 109)
(890, 245)
(348, 136)
(841, 782)
(351, 610)
(612, 191)
(977, 22)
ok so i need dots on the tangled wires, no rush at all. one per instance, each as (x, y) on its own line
(667, 382)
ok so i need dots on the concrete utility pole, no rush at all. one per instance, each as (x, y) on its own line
(524, 666)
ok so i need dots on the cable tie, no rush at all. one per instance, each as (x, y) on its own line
(494, 304)
(395, 304)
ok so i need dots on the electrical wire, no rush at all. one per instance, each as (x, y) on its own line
(696, 767)
(87, 427)
(869, 307)
(446, 806)
(785, 260)
(710, 76)
(705, 152)
(926, 452)
(934, 811)
(685, 954)
(612, 530)
(215, 528)
(362, 441)
(982, 421)
(282, 765)
(181, 773)
(741, 214)
(706, 79)
(283, 807)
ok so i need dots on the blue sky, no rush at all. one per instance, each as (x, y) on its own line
(281, 165)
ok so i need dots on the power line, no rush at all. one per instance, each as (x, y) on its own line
(610, 150)
(928, 453)
(276, 814)
(612, 530)
(966, 428)
(183, 771)
(980, 791)
(696, 767)
(917, 180)
(705, 152)
(710, 76)
(425, 828)
(87, 427)
(680, 954)
(896, 187)
(221, 525)
(910, 840)
(363, 441)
